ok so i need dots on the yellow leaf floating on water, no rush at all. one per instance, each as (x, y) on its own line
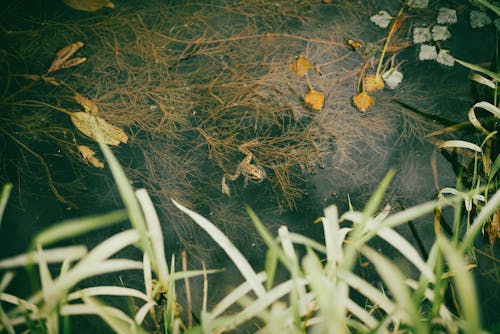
(86, 122)
(63, 55)
(300, 66)
(88, 154)
(88, 105)
(373, 82)
(363, 101)
(89, 5)
(315, 99)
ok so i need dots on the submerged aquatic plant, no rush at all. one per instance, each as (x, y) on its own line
(320, 289)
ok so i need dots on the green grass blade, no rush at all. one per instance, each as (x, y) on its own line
(75, 227)
(6, 189)
(234, 254)
(54, 255)
(156, 234)
(464, 284)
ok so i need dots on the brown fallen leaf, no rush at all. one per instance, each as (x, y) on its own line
(89, 5)
(363, 101)
(88, 105)
(315, 99)
(493, 228)
(63, 55)
(300, 66)
(373, 83)
(73, 62)
(85, 122)
(88, 155)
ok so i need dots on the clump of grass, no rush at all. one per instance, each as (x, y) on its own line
(318, 294)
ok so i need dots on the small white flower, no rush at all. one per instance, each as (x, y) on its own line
(440, 33)
(382, 19)
(418, 3)
(421, 35)
(444, 57)
(427, 52)
(446, 16)
(392, 78)
(479, 19)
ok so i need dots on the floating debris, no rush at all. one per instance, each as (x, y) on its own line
(479, 19)
(392, 78)
(427, 52)
(89, 155)
(444, 57)
(421, 35)
(382, 19)
(300, 66)
(86, 123)
(446, 16)
(440, 33)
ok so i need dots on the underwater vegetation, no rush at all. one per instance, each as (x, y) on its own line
(211, 105)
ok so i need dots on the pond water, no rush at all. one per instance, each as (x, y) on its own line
(190, 82)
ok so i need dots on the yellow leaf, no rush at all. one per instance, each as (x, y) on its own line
(373, 82)
(88, 105)
(86, 122)
(88, 155)
(300, 66)
(89, 5)
(315, 99)
(362, 101)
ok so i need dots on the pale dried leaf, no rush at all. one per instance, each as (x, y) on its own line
(88, 105)
(392, 78)
(63, 55)
(440, 33)
(421, 35)
(382, 19)
(444, 57)
(418, 3)
(446, 16)
(86, 122)
(427, 52)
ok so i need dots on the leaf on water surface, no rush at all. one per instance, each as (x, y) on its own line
(382, 19)
(427, 52)
(363, 101)
(392, 78)
(479, 19)
(440, 33)
(373, 83)
(444, 57)
(88, 154)
(89, 5)
(446, 16)
(63, 55)
(300, 66)
(315, 99)
(85, 122)
(421, 35)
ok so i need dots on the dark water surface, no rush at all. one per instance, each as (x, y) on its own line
(129, 72)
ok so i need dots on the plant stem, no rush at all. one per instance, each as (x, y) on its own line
(389, 36)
